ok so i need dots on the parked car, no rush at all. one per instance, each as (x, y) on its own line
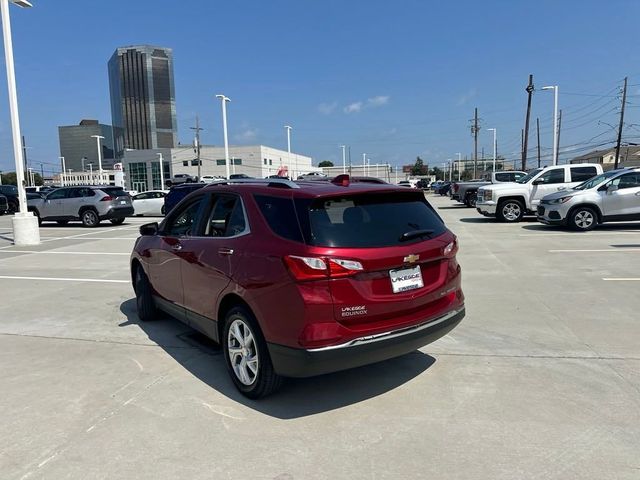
(406, 184)
(443, 189)
(226, 257)
(90, 204)
(4, 205)
(510, 202)
(312, 176)
(467, 192)
(435, 185)
(613, 196)
(211, 179)
(238, 176)
(180, 178)
(149, 203)
(11, 193)
(423, 183)
(178, 192)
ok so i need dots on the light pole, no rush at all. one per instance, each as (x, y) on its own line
(161, 170)
(555, 121)
(495, 147)
(364, 164)
(344, 158)
(63, 172)
(459, 160)
(224, 101)
(91, 173)
(288, 129)
(25, 224)
(82, 160)
(98, 138)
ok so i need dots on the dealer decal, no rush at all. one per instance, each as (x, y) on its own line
(354, 311)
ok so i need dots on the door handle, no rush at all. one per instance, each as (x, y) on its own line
(177, 247)
(637, 194)
(225, 251)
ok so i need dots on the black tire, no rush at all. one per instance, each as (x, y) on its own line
(90, 218)
(472, 199)
(510, 211)
(13, 208)
(261, 382)
(583, 219)
(117, 221)
(144, 298)
(163, 210)
(62, 222)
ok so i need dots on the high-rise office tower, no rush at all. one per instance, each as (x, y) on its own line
(142, 96)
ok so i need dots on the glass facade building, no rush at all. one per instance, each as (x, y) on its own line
(143, 96)
(80, 149)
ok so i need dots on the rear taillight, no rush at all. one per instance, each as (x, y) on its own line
(455, 187)
(314, 268)
(106, 198)
(451, 249)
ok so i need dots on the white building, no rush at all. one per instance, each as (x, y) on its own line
(378, 170)
(143, 166)
(115, 177)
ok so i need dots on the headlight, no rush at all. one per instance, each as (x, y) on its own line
(487, 194)
(557, 201)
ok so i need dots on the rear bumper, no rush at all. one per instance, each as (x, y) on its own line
(117, 213)
(295, 362)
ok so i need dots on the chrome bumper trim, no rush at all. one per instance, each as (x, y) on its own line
(388, 335)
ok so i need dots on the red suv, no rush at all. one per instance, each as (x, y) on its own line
(296, 279)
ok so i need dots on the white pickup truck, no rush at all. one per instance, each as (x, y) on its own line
(509, 202)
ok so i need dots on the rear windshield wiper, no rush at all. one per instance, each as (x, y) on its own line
(415, 234)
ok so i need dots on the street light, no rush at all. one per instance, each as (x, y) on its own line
(62, 174)
(344, 158)
(459, 161)
(555, 121)
(495, 147)
(161, 171)
(25, 224)
(98, 138)
(224, 101)
(288, 129)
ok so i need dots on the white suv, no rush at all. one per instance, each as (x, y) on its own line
(509, 202)
(613, 196)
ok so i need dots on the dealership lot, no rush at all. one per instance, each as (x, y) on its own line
(540, 380)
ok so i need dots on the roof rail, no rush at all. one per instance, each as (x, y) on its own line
(269, 182)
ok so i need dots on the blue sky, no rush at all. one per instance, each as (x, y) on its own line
(393, 79)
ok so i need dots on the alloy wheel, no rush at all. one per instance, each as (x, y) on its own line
(511, 211)
(243, 353)
(584, 219)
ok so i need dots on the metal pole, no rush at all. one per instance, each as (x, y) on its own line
(224, 101)
(364, 164)
(162, 171)
(624, 101)
(91, 173)
(288, 129)
(98, 138)
(495, 148)
(13, 106)
(555, 125)
(344, 158)
(538, 129)
(63, 172)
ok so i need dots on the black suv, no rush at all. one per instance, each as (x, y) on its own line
(11, 193)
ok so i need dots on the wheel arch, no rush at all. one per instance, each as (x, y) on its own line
(229, 301)
(592, 206)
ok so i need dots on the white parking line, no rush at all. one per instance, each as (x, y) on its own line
(628, 279)
(580, 234)
(598, 250)
(75, 236)
(49, 252)
(94, 238)
(61, 279)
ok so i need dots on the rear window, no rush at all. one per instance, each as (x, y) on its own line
(114, 191)
(581, 174)
(504, 177)
(371, 220)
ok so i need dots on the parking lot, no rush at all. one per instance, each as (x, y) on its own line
(540, 380)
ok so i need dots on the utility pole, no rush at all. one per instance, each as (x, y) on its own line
(521, 142)
(558, 143)
(529, 91)
(24, 155)
(624, 101)
(538, 129)
(475, 130)
(196, 149)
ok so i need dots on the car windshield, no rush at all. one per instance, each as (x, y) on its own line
(597, 180)
(529, 176)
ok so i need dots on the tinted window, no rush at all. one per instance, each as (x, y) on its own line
(628, 180)
(370, 220)
(226, 218)
(552, 176)
(9, 189)
(58, 194)
(142, 196)
(114, 191)
(280, 214)
(581, 174)
(504, 177)
(518, 176)
(185, 220)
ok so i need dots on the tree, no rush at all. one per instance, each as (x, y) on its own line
(419, 167)
(439, 174)
(9, 178)
(325, 163)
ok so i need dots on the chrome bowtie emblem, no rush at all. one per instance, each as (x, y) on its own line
(411, 258)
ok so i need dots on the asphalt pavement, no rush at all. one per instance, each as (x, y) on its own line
(540, 380)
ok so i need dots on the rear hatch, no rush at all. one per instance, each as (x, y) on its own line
(119, 198)
(398, 243)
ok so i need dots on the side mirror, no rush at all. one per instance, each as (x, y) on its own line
(611, 189)
(149, 229)
(538, 182)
